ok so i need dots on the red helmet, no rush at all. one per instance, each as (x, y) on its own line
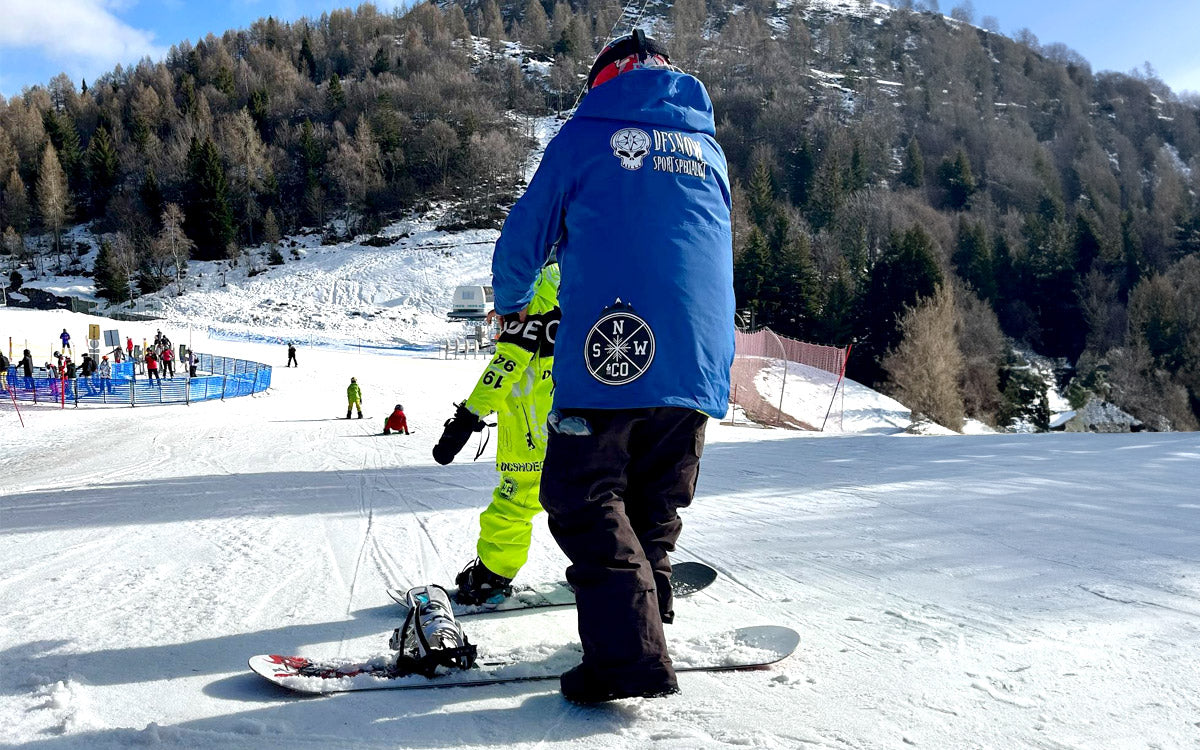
(624, 54)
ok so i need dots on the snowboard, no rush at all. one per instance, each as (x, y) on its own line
(752, 647)
(687, 578)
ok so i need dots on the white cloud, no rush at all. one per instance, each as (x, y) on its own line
(80, 34)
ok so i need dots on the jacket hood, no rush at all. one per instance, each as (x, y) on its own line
(666, 98)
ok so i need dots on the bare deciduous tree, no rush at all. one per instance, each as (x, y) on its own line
(172, 245)
(925, 370)
(54, 202)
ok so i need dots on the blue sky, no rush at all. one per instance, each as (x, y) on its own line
(84, 38)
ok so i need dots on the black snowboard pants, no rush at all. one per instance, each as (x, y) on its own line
(611, 497)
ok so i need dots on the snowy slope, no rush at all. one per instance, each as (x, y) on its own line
(807, 397)
(952, 592)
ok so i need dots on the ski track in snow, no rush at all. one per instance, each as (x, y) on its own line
(987, 591)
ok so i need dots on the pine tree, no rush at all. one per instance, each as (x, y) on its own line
(973, 258)
(801, 168)
(829, 189)
(1087, 244)
(308, 61)
(335, 98)
(312, 160)
(209, 220)
(859, 175)
(907, 273)
(151, 195)
(836, 322)
(102, 168)
(380, 63)
(224, 81)
(65, 139)
(956, 179)
(750, 272)
(798, 303)
(112, 279)
(761, 194)
(912, 173)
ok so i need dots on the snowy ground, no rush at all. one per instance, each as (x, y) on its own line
(807, 395)
(996, 591)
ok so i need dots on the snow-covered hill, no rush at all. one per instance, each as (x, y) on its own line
(951, 592)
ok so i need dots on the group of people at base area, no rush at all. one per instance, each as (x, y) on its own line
(603, 401)
(95, 377)
(160, 357)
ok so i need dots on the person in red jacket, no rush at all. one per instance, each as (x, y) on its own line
(152, 367)
(396, 421)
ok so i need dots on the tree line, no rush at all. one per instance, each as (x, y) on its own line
(931, 190)
(342, 120)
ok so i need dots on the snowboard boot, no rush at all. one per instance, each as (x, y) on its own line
(359, 415)
(586, 686)
(478, 585)
(347, 414)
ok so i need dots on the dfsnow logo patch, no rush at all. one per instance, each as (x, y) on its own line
(620, 347)
(630, 145)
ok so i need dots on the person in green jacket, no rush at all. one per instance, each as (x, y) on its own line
(353, 398)
(517, 386)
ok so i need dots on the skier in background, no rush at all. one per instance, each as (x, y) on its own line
(395, 421)
(66, 340)
(105, 372)
(353, 398)
(518, 386)
(292, 355)
(152, 367)
(27, 368)
(634, 194)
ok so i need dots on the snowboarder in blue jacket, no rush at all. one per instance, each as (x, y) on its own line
(633, 193)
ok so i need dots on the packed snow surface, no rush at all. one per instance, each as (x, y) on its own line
(950, 592)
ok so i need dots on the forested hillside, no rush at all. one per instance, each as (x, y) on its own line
(932, 191)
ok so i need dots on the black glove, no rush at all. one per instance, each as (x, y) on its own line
(457, 433)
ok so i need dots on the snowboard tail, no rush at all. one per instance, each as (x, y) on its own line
(687, 578)
(753, 647)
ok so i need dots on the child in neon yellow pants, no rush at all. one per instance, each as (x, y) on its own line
(518, 387)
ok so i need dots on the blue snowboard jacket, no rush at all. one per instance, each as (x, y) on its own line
(635, 192)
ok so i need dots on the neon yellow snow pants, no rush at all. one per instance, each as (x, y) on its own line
(518, 387)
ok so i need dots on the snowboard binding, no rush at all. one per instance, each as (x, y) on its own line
(430, 637)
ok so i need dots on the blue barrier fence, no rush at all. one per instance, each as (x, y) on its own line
(216, 378)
